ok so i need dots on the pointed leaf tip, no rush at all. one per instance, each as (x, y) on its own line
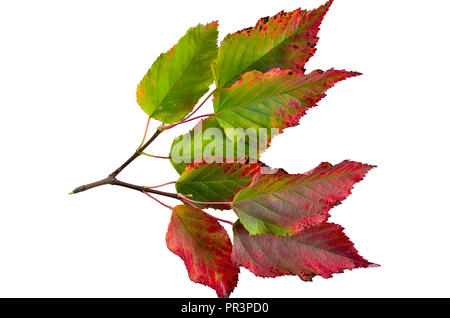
(285, 204)
(276, 99)
(181, 76)
(286, 40)
(322, 250)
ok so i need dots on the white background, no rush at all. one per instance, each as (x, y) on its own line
(68, 75)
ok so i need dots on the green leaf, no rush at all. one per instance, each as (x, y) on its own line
(284, 204)
(286, 40)
(205, 247)
(208, 140)
(276, 99)
(178, 78)
(215, 182)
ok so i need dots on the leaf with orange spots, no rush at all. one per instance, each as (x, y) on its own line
(178, 78)
(205, 247)
(284, 204)
(286, 40)
(276, 100)
(321, 250)
(215, 182)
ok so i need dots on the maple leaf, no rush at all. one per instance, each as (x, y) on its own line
(286, 40)
(178, 78)
(204, 246)
(215, 182)
(284, 204)
(321, 250)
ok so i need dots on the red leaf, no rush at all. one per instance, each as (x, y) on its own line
(204, 246)
(322, 250)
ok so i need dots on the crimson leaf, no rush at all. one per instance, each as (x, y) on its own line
(321, 250)
(204, 246)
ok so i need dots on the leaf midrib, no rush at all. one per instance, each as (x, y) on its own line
(262, 56)
(197, 244)
(264, 98)
(182, 74)
(305, 183)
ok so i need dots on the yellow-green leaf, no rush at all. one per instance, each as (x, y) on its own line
(180, 77)
(207, 140)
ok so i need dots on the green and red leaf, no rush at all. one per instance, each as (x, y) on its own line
(286, 40)
(205, 247)
(284, 204)
(273, 100)
(215, 182)
(178, 78)
(276, 99)
(321, 250)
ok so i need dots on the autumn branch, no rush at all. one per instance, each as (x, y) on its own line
(111, 179)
